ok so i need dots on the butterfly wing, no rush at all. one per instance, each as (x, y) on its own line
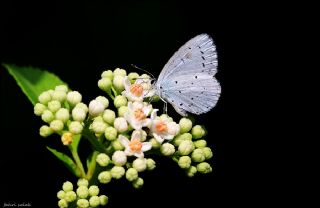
(187, 81)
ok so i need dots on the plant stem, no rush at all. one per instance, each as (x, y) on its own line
(78, 161)
(92, 165)
(93, 140)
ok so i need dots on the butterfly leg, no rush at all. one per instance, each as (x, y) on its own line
(165, 106)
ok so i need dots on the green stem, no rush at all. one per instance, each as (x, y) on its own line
(78, 161)
(92, 165)
(110, 94)
(114, 91)
(93, 140)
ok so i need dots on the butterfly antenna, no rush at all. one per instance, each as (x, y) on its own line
(134, 66)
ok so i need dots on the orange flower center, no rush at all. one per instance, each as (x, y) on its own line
(161, 127)
(136, 89)
(139, 114)
(135, 145)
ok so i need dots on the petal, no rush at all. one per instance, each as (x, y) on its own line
(158, 138)
(168, 137)
(139, 154)
(136, 135)
(126, 83)
(146, 146)
(135, 124)
(146, 122)
(123, 140)
(130, 106)
(146, 109)
(154, 114)
(128, 152)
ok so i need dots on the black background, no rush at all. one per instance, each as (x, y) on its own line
(77, 42)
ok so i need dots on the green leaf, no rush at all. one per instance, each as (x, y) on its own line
(67, 161)
(33, 81)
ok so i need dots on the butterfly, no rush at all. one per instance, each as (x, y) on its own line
(188, 80)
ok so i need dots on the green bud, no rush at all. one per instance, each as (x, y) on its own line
(191, 171)
(204, 167)
(140, 164)
(83, 182)
(120, 72)
(75, 127)
(105, 84)
(178, 139)
(118, 83)
(120, 124)
(54, 106)
(93, 190)
(166, 116)
(198, 155)
(47, 116)
(131, 174)
(63, 115)
(59, 95)
(109, 116)
(184, 162)
(83, 203)
(207, 153)
(105, 177)
(117, 145)
(63, 88)
(107, 74)
(96, 108)
(103, 100)
(185, 125)
(138, 183)
(74, 97)
(56, 125)
(103, 200)
(185, 147)
(82, 192)
(133, 76)
(61, 194)
(45, 131)
(39, 109)
(94, 201)
(111, 133)
(98, 127)
(198, 132)
(145, 76)
(151, 164)
(44, 97)
(117, 172)
(62, 203)
(167, 149)
(70, 196)
(155, 144)
(122, 110)
(79, 114)
(119, 158)
(67, 186)
(200, 143)
(119, 101)
(103, 159)
(83, 107)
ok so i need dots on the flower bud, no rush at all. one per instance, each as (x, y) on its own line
(83, 203)
(95, 108)
(103, 200)
(200, 143)
(185, 147)
(61, 194)
(107, 74)
(166, 116)
(185, 125)
(207, 153)
(204, 167)
(59, 95)
(117, 145)
(119, 158)
(44, 97)
(133, 76)
(140, 164)
(109, 116)
(110, 133)
(120, 72)
(67, 138)
(78, 114)
(82, 192)
(191, 171)
(103, 100)
(56, 125)
(145, 76)
(50, 92)
(198, 132)
(63, 115)
(178, 139)
(122, 110)
(67, 186)
(74, 97)
(155, 144)
(98, 127)
(142, 134)
(119, 101)
(118, 83)
(45, 131)
(54, 106)
(117, 172)
(131, 174)
(94, 201)
(83, 182)
(105, 84)
(75, 127)
(93, 190)
(63, 88)
(82, 106)
(184, 162)
(105, 177)
(173, 128)
(138, 183)
(151, 164)
(120, 124)
(167, 149)
(39, 109)
(198, 155)
(103, 159)
(62, 203)
(47, 116)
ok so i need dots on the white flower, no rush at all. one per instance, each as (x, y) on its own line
(163, 127)
(137, 114)
(134, 146)
(140, 89)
